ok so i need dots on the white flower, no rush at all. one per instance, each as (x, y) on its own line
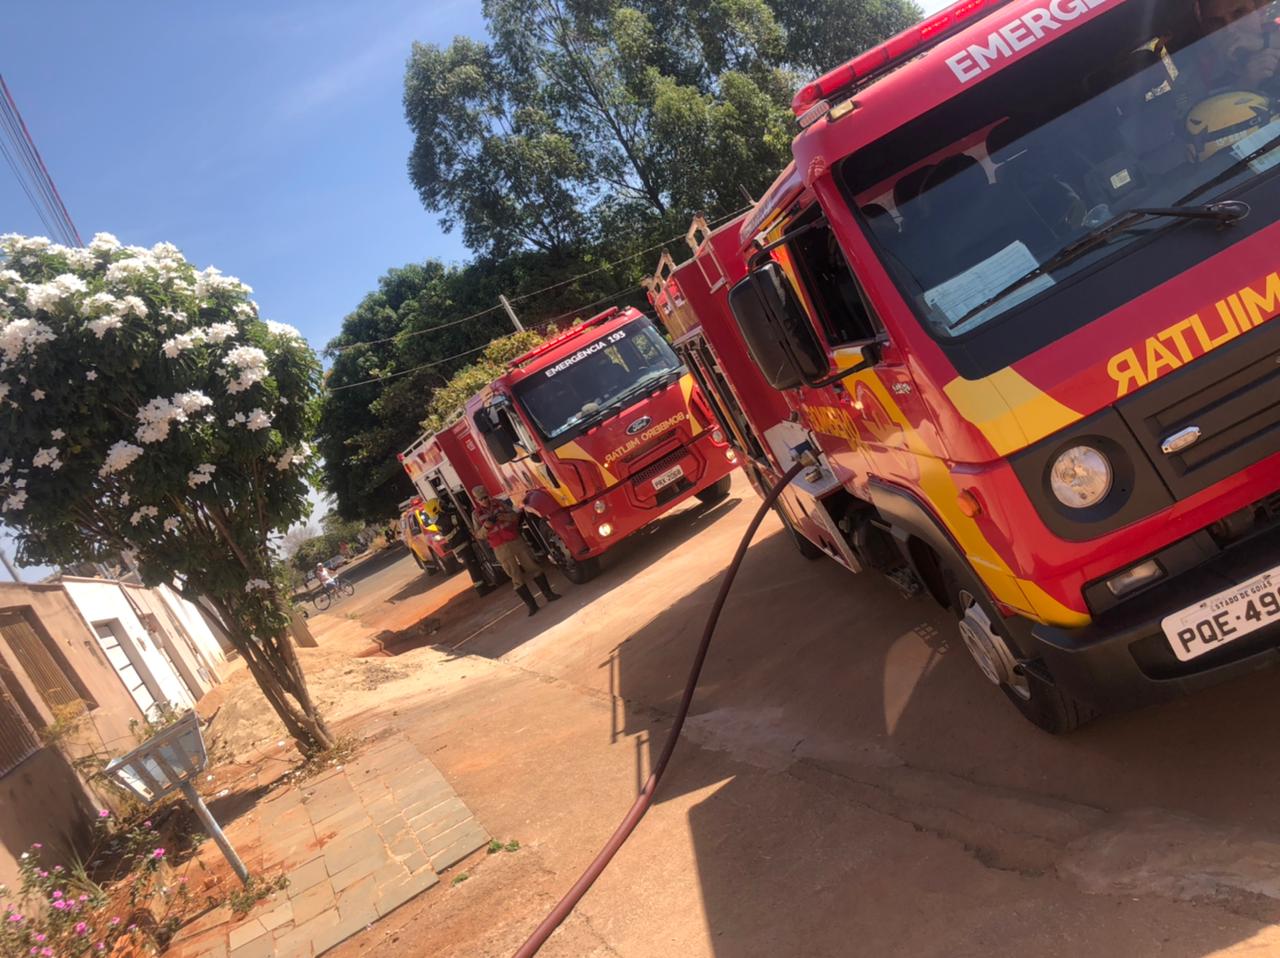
(171, 523)
(4, 390)
(251, 362)
(197, 478)
(134, 305)
(20, 335)
(5, 466)
(77, 257)
(103, 243)
(258, 419)
(9, 277)
(282, 329)
(172, 347)
(192, 401)
(100, 327)
(48, 295)
(119, 456)
(104, 301)
(20, 484)
(246, 310)
(124, 500)
(123, 270)
(290, 455)
(37, 394)
(14, 503)
(57, 434)
(45, 457)
(220, 331)
(13, 243)
(211, 280)
(91, 375)
(143, 513)
(254, 584)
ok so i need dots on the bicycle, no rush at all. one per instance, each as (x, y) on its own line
(325, 597)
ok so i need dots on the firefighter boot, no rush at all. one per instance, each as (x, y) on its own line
(527, 596)
(545, 586)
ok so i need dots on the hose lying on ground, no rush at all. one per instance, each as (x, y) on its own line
(645, 798)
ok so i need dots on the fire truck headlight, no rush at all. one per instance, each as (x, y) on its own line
(600, 506)
(605, 529)
(731, 455)
(1081, 477)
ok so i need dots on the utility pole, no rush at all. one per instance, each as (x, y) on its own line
(515, 320)
(9, 566)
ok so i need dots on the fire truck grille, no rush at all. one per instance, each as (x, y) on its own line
(1213, 417)
(655, 469)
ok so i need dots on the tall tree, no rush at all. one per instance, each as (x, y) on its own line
(146, 409)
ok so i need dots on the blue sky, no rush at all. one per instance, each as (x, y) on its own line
(266, 139)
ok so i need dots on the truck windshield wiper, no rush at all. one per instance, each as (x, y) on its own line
(1222, 213)
(1232, 170)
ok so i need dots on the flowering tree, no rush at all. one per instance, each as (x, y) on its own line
(145, 408)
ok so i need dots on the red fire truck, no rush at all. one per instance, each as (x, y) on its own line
(1018, 288)
(595, 434)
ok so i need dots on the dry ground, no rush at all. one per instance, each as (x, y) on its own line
(848, 784)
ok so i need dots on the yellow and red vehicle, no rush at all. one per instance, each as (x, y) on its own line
(427, 546)
(597, 433)
(1019, 290)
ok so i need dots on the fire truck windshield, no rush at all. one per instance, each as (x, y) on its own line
(584, 387)
(998, 196)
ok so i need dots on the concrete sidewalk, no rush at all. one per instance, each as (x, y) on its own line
(356, 842)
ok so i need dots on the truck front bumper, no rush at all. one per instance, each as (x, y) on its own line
(1123, 659)
(633, 503)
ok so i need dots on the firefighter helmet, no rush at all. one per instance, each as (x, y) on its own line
(431, 508)
(1225, 119)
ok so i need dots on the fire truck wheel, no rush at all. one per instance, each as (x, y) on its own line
(803, 545)
(575, 570)
(714, 493)
(1041, 703)
(416, 558)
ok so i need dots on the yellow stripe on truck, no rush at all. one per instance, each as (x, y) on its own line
(1010, 412)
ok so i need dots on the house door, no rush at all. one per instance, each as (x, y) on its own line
(118, 655)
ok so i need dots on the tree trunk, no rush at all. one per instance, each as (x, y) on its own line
(274, 664)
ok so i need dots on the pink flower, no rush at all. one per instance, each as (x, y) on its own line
(115, 921)
(57, 894)
(47, 952)
(84, 898)
(81, 928)
(100, 946)
(40, 936)
(57, 869)
(44, 874)
(34, 951)
(15, 918)
(147, 823)
(131, 928)
(104, 813)
(158, 853)
(36, 845)
(60, 905)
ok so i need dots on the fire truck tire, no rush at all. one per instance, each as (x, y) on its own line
(803, 545)
(575, 570)
(987, 641)
(715, 493)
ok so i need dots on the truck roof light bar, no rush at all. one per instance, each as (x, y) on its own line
(568, 333)
(879, 60)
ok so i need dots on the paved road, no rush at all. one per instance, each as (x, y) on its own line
(850, 784)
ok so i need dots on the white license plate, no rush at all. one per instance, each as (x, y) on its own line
(1224, 617)
(668, 477)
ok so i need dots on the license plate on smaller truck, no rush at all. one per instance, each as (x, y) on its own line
(1225, 617)
(668, 477)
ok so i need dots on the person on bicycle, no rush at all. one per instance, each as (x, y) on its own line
(499, 524)
(326, 577)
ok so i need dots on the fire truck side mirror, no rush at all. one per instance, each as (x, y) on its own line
(776, 328)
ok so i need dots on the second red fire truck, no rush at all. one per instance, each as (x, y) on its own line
(593, 435)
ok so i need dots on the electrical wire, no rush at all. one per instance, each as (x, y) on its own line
(538, 292)
(60, 207)
(406, 372)
(641, 805)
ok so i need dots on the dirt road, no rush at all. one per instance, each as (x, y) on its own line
(849, 785)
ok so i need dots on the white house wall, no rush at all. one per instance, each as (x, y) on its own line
(101, 601)
(197, 628)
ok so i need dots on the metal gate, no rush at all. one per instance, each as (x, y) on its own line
(17, 738)
(38, 662)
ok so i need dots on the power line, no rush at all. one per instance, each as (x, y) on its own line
(60, 208)
(538, 292)
(406, 372)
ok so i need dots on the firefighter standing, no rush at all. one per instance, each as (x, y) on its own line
(499, 524)
(458, 538)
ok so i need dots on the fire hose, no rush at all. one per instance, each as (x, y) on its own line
(641, 805)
